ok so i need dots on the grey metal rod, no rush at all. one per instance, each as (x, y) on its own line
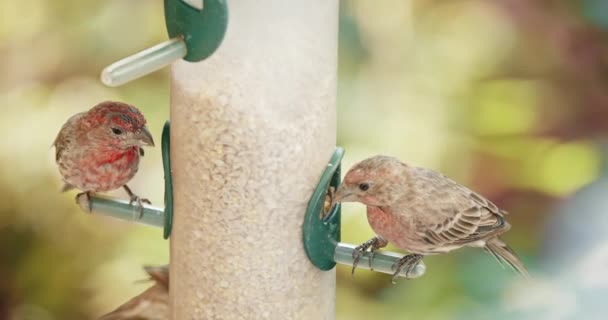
(121, 209)
(144, 62)
(383, 260)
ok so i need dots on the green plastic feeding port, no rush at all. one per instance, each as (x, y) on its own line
(321, 230)
(166, 152)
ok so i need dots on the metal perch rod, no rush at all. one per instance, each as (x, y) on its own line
(144, 62)
(154, 216)
(121, 209)
(383, 260)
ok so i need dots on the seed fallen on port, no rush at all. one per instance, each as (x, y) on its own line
(329, 197)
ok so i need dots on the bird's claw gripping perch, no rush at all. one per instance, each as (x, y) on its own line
(83, 199)
(133, 198)
(372, 244)
(409, 263)
(139, 201)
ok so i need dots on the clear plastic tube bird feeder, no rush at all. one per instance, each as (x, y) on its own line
(251, 131)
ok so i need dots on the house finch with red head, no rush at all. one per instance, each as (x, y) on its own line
(152, 304)
(423, 212)
(99, 150)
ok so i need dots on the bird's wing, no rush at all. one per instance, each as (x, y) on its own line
(474, 224)
(160, 274)
(482, 201)
(60, 143)
(458, 215)
(65, 135)
(152, 304)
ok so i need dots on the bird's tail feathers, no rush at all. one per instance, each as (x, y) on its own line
(160, 274)
(504, 254)
(67, 187)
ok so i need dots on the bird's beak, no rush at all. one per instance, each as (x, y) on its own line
(144, 136)
(342, 195)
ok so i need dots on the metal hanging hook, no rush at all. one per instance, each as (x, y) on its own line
(196, 29)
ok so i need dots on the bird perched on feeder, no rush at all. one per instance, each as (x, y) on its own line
(423, 212)
(152, 304)
(99, 150)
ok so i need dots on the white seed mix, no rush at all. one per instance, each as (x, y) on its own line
(252, 129)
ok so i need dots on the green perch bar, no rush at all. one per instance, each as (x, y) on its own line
(155, 216)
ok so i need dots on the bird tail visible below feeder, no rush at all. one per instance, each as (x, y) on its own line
(503, 253)
(160, 274)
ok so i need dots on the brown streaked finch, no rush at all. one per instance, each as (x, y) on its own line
(423, 212)
(99, 150)
(152, 304)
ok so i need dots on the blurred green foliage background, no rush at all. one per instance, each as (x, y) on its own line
(508, 97)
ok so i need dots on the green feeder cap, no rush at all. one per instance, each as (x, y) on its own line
(202, 30)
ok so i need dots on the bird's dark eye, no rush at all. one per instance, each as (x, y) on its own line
(364, 186)
(116, 131)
